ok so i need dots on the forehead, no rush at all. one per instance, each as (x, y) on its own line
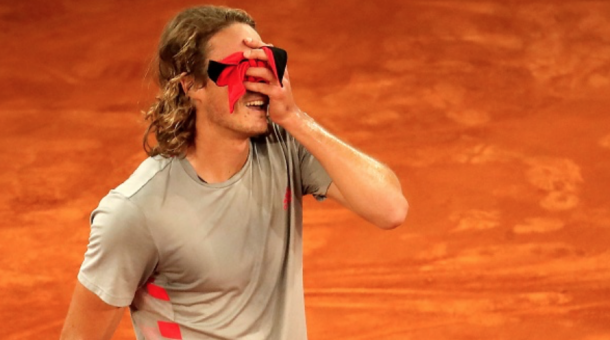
(230, 40)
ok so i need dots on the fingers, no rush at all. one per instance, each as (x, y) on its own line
(256, 54)
(252, 43)
(263, 88)
(274, 91)
(262, 72)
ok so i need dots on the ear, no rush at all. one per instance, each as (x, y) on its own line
(187, 83)
(195, 92)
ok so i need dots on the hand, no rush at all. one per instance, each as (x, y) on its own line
(281, 102)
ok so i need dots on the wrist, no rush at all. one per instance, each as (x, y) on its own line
(294, 120)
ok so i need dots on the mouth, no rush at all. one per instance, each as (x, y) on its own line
(258, 103)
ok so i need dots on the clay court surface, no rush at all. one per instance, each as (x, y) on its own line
(494, 114)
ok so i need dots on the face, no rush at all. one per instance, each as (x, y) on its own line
(212, 102)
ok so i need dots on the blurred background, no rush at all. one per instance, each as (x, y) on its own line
(494, 114)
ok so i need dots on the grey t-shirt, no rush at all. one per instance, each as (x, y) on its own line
(208, 261)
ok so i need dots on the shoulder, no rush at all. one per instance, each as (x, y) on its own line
(119, 206)
(116, 217)
(143, 175)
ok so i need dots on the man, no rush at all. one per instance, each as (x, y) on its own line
(203, 241)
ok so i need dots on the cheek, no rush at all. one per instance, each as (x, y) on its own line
(218, 98)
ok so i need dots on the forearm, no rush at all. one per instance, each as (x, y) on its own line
(89, 317)
(367, 186)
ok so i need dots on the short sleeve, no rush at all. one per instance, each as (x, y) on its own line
(315, 180)
(121, 254)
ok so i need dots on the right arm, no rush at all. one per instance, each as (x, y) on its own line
(90, 318)
(120, 257)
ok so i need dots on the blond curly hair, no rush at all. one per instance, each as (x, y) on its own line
(183, 52)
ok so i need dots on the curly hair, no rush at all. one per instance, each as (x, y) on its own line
(183, 52)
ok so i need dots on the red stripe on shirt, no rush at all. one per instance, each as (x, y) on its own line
(157, 291)
(169, 330)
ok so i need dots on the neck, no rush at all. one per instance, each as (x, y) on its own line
(217, 157)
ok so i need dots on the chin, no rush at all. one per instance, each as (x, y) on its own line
(263, 131)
